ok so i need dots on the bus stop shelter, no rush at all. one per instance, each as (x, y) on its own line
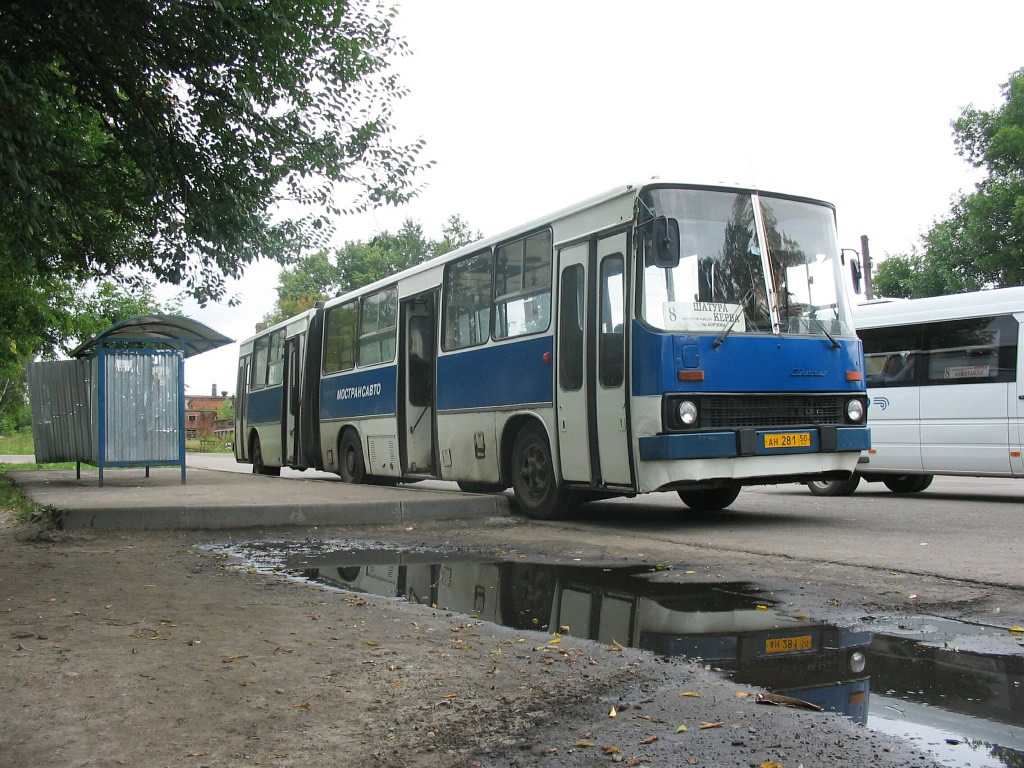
(120, 400)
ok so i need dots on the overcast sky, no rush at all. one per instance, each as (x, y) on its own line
(527, 107)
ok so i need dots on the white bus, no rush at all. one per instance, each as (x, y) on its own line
(657, 337)
(946, 389)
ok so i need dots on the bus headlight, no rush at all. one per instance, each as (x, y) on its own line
(858, 661)
(854, 410)
(687, 412)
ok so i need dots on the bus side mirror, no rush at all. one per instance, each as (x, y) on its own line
(855, 275)
(666, 242)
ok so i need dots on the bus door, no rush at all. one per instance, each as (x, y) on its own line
(1017, 436)
(293, 355)
(417, 393)
(242, 408)
(593, 442)
(572, 412)
(612, 434)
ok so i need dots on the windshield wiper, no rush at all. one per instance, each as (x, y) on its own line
(736, 316)
(817, 322)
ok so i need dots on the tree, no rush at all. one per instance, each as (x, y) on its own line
(54, 323)
(322, 275)
(186, 139)
(980, 243)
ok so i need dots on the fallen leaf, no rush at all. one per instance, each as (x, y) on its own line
(611, 750)
(370, 643)
(613, 713)
(555, 640)
(680, 729)
(450, 696)
(741, 694)
(651, 739)
(651, 718)
(691, 694)
(303, 705)
(1017, 630)
(770, 764)
(762, 607)
(229, 659)
(788, 701)
(705, 726)
(583, 744)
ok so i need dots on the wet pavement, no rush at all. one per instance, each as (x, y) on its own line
(921, 682)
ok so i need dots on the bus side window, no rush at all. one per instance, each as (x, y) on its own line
(467, 305)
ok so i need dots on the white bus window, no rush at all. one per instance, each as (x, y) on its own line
(467, 301)
(275, 364)
(378, 324)
(340, 338)
(570, 328)
(612, 346)
(259, 364)
(522, 286)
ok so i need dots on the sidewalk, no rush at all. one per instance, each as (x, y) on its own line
(220, 493)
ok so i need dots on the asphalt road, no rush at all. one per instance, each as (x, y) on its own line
(962, 528)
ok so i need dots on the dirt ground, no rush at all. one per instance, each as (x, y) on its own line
(148, 649)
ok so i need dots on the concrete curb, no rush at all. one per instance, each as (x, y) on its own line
(216, 500)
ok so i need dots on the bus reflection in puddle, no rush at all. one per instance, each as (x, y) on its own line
(727, 626)
(963, 707)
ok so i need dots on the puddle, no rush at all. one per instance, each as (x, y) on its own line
(913, 680)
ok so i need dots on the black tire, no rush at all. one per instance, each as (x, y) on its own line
(534, 483)
(351, 466)
(470, 486)
(908, 483)
(711, 499)
(258, 467)
(834, 487)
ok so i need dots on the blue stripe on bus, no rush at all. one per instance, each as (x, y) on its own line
(743, 363)
(265, 405)
(499, 375)
(368, 392)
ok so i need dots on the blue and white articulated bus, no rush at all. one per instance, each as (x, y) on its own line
(659, 337)
(946, 380)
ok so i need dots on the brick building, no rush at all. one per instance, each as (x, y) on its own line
(201, 416)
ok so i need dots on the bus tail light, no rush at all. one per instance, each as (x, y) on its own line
(854, 376)
(690, 375)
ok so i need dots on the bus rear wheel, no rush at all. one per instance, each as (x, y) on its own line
(908, 483)
(350, 457)
(710, 499)
(537, 491)
(834, 487)
(258, 467)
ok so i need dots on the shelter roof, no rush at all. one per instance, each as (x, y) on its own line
(174, 331)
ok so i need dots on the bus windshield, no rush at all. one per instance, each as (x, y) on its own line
(720, 282)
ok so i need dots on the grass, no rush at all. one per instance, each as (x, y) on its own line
(17, 444)
(11, 498)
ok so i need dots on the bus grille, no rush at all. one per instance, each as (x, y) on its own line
(772, 411)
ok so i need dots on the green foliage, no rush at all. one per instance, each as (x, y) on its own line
(74, 312)
(322, 275)
(226, 410)
(980, 243)
(165, 137)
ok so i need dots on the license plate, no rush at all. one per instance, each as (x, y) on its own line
(788, 644)
(788, 440)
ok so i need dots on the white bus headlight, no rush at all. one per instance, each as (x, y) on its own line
(854, 410)
(687, 411)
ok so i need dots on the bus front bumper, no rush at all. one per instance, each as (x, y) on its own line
(754, 442)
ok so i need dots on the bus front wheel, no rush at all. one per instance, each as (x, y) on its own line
(533, 476)
(908, 483)
(350, 455)
(710, 499)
